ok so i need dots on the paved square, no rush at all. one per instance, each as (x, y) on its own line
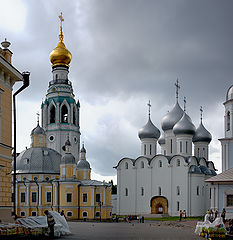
(134, 230)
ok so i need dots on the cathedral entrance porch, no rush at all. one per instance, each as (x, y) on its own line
(159, 205)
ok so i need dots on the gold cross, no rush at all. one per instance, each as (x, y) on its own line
(61, 18)
(38, 115)
(177, 88)
(201, 110)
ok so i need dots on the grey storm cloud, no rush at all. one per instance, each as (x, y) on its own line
(132, 49)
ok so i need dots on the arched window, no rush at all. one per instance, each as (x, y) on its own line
(142, 164)
(186, 146)
(52, 114)
(74, 116)
(126, 165)
(181, 147)
(171, 145)
(160, 164)
(178, 190)
(142, 191)
(160, 191)
(84, 214)
(126, 192)
(64, 114)
(144, 149)
(150, 149)
(228, 121)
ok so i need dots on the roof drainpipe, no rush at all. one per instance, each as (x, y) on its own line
(25, 85)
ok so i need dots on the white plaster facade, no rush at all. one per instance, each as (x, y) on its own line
(175, 176)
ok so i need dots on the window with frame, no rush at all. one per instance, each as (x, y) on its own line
(142, 164)
(142, 191)
(34, 194)
(126, 165)
(64, 114)
(181, 147)
(85, 197)
(210, 193)
(33, 214)
(48, 197)
(126, 192)
(22, 214)
(150, 149)
(144, 149)
(178, 190)
(84, 214)
(229, 200)
(69, 197)
(198, 191)
(186, 146)
(52, 114)
(97, 197)
(22, 197)
(178, 206)
(171, 145)
(228, 121)
(69, 214)
(160, 191)
(160, 164)
(178, 162)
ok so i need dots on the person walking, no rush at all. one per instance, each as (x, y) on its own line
(181, 214)
(184, 214)
(62, 213)
(223, 215)
(51, 223)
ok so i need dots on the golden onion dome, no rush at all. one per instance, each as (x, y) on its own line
(60, 54)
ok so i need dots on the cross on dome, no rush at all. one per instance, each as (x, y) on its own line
(201, 112)
(61, 34)
(61, 18)
(185, 104)
(149, 105)
(38, 116)
(177, 89)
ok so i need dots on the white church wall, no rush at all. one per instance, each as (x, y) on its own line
(143, 188)
(127, 181)
(178, 179)
(197, 195)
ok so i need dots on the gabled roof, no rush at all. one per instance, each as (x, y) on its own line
(226, 176)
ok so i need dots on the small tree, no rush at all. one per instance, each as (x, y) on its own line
(114, 187)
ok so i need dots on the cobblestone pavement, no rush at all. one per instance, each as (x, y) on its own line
(148, 230)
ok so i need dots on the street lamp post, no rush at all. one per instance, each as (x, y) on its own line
(100, 204)
(25, 85)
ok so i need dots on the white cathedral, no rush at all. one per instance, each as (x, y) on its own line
(174, 180)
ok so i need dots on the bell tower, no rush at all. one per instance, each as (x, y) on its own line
(227, 141)
(60, 110)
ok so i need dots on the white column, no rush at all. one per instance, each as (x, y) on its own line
(55, 194)
(40, 195)
(92, 197)
(104, 196)
(27, 195)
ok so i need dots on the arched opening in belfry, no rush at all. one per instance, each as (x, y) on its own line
(52, 114)
(74, 116)
(64, 114)
(228, 121)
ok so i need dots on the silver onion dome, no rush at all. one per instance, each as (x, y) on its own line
(83, 164)
(202, 135)
(149, 131)
(38, 160)
(68, 158)
(184, 126)
(229, 95)
(172, 117)
(37, 130)
(161, 140)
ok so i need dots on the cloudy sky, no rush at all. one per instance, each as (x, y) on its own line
(125, 52)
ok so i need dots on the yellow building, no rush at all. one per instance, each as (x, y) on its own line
(47, 180)
(8, 76)
(56, 177)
